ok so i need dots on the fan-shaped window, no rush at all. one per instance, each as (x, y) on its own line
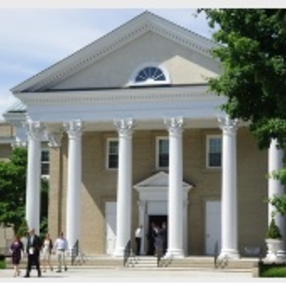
(150, 74)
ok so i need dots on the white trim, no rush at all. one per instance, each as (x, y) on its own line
(208, 138)
(196, 92)
(134, 74)
(107, 153)
(158, 138)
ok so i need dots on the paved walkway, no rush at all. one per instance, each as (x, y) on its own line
(103, 276)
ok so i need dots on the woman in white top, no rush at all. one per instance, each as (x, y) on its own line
(47, 251)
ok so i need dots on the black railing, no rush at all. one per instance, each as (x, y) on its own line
(74, 252)
(127, 253)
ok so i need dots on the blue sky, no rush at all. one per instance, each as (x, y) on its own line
(33, 39)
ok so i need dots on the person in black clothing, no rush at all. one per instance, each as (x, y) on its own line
(164, 235)
(33, 251)
(151, 239)
(16, 250)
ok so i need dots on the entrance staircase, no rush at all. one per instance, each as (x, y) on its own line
(151, 262)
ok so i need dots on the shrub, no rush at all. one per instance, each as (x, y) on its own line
(273, 230)
(274, 272)
(2, 264)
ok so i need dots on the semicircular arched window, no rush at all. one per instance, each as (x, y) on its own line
(149, 75)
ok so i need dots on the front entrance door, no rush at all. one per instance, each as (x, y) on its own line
(157, 220)
(213, 227)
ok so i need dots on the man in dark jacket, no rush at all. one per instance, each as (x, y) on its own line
(34, 245)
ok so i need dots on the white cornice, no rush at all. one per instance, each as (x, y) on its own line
(111, 42)
(117, 96)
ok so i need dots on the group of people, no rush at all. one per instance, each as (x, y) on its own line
(34, 248)
(157, 239)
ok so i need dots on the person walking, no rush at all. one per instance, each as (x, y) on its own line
(138, 239)
(61, 246)
(16, 250)
(33, 251)
(47, 251)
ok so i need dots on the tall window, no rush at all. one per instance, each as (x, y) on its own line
(162, 152)
(112, 153)
(214, 147)
(45, 162)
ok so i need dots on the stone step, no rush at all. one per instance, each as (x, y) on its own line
(151, 262)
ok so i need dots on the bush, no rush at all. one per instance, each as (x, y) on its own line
(2, 264)
(274, 272)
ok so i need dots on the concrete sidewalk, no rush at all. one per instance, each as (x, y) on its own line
(128, 275)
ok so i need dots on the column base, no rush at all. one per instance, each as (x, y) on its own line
(175, 253)
(281, 254)
(229, 254)
(121, 252)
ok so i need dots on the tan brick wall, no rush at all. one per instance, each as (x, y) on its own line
(6, 130)
(99, 185)
(5, 152)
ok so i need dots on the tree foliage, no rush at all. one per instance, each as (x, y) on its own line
(13, 174)
(12, 189)
(252, 52)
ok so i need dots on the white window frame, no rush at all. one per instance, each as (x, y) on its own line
(45, 162)
(208, 138)
(107, 152)
(157, 152)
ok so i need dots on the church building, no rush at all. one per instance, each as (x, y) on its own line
(134, 137)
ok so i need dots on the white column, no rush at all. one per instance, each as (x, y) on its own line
(185, 225)
(175, 194)
(33, 187)
(124, 185)
(275, 188)
(74, 131)
(229, 189)
(141, 211)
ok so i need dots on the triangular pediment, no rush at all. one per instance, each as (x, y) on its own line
(158, 180)
(86, 66)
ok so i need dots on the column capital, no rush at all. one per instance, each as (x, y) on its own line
(73, 128)
(34, 129)
(174, 125)
(124, 126)
(228, 125)
(55, 139)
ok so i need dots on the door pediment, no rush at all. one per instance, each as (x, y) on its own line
(155, 188)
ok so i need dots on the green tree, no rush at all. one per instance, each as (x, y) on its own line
(252, 52)
(12, 189)
(251, 49)
(13, 175)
